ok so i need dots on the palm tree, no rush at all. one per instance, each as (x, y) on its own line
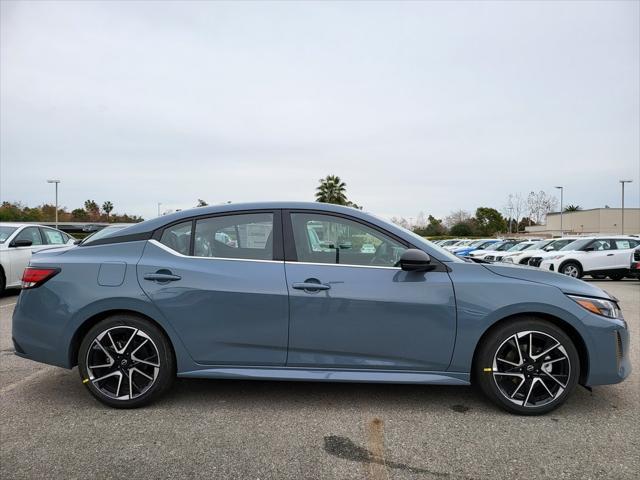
(107, 207)
(92, 209)
(572, 208)
(332, 190)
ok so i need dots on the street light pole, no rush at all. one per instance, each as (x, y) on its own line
(159, 208)
(561, 209)
(56, 183)
(622, 182)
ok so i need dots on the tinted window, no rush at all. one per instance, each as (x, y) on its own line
(244, 236)
(328, 239)
(178, 237)
(54, 237)
(30, 233)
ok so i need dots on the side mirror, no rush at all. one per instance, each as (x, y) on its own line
(21, 243)
(414, 260)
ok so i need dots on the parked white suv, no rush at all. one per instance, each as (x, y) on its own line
(595, 256)
(17, 242)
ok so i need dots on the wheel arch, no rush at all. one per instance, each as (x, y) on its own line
(566, 327)
(571, 260)
(91, 321)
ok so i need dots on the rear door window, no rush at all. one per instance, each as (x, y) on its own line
(240, 236)
(178, 237)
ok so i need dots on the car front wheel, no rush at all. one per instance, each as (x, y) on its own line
(528, 366)
(572, 269)
(126, 361)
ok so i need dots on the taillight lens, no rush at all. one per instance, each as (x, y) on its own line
(36, 276)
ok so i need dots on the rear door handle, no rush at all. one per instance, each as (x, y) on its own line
(609, 254)
(310, 286)
(161, 277)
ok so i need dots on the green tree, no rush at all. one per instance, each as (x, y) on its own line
(572, 208)
(461, 230)
(79, 215)
(107, 207)
(489, 221)
(433, 228)
(332, 190)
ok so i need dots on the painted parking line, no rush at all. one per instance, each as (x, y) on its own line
(8, 305)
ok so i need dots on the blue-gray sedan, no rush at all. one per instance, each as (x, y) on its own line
(310, 291)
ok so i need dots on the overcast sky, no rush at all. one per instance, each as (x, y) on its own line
(417, 106)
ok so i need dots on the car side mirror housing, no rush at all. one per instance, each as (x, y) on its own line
(414, 260)
(21, 243)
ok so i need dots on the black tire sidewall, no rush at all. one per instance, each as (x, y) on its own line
(487, 350)
(167, 363)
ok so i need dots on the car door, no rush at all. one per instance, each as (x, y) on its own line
(623, 252)
(19, 257)
(219, 280)
(351, 308)
(599, 255)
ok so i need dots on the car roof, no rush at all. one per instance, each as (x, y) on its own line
(158, 222)
(18, 225)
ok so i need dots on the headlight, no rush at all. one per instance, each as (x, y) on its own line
(606, 308)
(554, 257)
(508, 260)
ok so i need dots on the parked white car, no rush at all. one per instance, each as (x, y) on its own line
(538, 250)
(515, 249)
(595, 256)
(17, 243)
(459, 244)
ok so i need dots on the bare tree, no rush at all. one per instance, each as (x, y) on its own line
(539, 204)
(401, 221)
(515, 208)
(456, 217)
(421, 221)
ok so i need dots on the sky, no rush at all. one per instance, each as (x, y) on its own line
(417, 106)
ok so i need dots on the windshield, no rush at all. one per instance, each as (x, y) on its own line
(5, 232)
(445, 253)
(577, 245)
(519, 247)
(505, 245)
(540, 245)
(105, 232)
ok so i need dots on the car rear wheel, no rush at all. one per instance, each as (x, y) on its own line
(528, 366)
(616, 276)
(3, 282)
(126, 361)
(598, 276)
(571, 269)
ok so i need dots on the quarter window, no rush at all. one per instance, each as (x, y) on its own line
(243, 236)
(54, 237)
(328, 239)
(178, 237)
(30, 233)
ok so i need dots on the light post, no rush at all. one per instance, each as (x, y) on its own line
(561, 209)
(622, 182)
(159, 208)
(57, 182)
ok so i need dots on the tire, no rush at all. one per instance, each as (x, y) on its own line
(505, 381)
(3, 282)
(141, 359)
(571, 269)
(616, 276)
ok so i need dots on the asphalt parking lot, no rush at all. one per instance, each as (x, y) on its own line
(52, 428)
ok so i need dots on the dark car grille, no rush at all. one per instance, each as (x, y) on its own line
(490, 258)
(619, 351)
(535, 261)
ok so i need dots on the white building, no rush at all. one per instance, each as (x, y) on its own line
(589, 222)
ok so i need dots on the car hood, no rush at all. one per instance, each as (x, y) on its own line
(563, 282)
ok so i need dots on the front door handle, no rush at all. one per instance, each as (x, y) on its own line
(609, 254)
(309, 286)
(162, 276)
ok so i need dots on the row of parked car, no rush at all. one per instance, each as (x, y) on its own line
(611, 256)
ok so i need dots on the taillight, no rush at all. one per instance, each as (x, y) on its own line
(35, 276)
